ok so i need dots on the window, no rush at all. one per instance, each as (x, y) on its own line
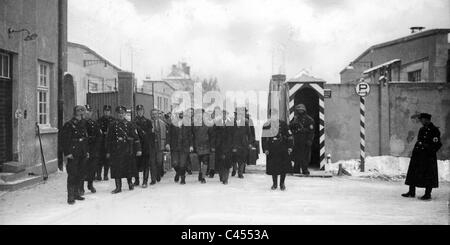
(160, 103)
(415, 76)
(4, 66)
(166, 104)
(43, 94)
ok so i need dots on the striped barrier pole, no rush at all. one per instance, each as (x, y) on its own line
(363, 133)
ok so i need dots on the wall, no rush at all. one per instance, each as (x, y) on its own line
(39, 17)
(389, 127)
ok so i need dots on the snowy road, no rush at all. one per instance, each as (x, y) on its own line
(249, 201)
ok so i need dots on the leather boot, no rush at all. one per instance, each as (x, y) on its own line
(70, 195)
(411, 193)
(183, 180)
(130, 184)
(118, 186)
(91, 187)
(177, 178)
(275, 182)
(81, 190)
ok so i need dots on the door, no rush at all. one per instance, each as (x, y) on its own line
(310, 98)
(5, 109)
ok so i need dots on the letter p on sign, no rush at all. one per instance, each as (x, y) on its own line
(363, 89)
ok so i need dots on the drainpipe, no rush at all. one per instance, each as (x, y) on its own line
(62, 67)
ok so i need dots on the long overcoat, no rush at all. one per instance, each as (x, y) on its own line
(423, 168)
(275, 140)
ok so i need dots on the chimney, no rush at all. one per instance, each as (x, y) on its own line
(416, 29)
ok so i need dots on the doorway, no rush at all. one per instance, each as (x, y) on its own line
(310, 98)
(6, 114)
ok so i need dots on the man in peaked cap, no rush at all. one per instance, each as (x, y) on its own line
(94, 139)
(122, 145)
(145, 129)
(75, 149)
(423, 168)
(103, 163)
(303, 130)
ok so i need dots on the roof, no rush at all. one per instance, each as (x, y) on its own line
(381, 66)
(77, 45)
(408, 38)
(305, 77)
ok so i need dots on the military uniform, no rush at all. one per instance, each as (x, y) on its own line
(122, 144)
(180, 140)
(303, 131)
(160, 140)
(75, 143)
(145, 130)
(104, 165)
(423, 168)
(94, 140)
(276, 142)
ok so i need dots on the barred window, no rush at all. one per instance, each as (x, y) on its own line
(43, 94)
(415, 76)
(5, 66)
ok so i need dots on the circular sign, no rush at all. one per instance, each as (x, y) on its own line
(363, 89)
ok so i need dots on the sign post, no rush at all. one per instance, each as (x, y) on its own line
(363, 90)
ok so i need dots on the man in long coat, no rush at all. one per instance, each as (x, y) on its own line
(423, 168)
(223, 131)
(75, 149)
(181, 144)
(123, 145)
(94, 141)
(145, 129)
(277, 147)
(104, 123)
(240, 142)
(203, 143)
(303, 130)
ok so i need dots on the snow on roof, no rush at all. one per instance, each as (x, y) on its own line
(381, 66)
(305, 77)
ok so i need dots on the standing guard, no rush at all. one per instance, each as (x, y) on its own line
(423, 168)
(302, 128)
(277, 147)
(104, 123)
(94, 139)
(145, 129)
(75, 149)
(123, 145)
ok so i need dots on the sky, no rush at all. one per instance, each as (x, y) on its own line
(244, 42)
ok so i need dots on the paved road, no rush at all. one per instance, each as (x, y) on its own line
(249, 201)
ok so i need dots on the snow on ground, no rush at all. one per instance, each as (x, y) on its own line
(338, 200)
(387, 167)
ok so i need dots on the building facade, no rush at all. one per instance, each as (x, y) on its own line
(91, 72)
(162, 93)
(29, 62)
(419, 57)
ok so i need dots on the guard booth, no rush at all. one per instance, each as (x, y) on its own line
(308, 90)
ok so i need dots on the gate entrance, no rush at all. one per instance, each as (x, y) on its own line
(310, 99)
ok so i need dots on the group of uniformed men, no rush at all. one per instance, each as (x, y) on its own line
(215, 142)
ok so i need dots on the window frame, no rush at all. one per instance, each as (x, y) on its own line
(44, 89)
(414, 75)
(8, 61)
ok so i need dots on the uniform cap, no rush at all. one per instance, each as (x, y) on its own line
(139, 107)
(107, 108)
(121, 109)
(88, 107)
(300, 107)
(78, 108)
(425, 116)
